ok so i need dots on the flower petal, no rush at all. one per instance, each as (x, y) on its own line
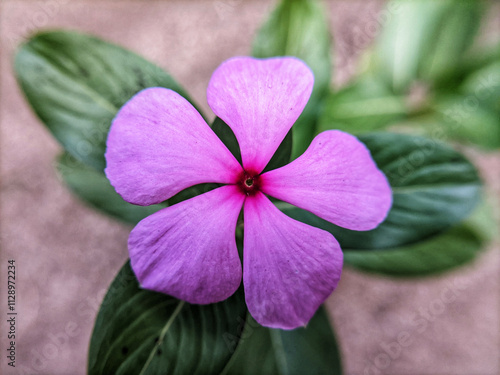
(289, 268)
(335, 179)
(159, 144)
(260, 99)
(189, 250)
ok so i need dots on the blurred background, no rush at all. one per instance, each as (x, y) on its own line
(67, 254)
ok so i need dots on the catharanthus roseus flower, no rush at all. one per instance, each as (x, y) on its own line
(159, 145)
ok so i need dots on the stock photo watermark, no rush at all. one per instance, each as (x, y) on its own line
(419, 321)
(47, 10)
(11, 313)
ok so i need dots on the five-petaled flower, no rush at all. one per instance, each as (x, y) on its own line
(159, 145)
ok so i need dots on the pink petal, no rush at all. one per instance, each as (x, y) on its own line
(289, 268)
(337, 180)
(189, 250)
(159, 145)
(260, 100)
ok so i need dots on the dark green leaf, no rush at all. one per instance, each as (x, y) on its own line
(94, 188)
(448, 250)
(310, 350)
(299, 28)
(76, 83)
(191, 192)
(365, 105)
(425, 39)
(483, 87)
(434, 188)
(453, 248)
(226, 135)
(143, 332)
(477, 57)
(282, 155)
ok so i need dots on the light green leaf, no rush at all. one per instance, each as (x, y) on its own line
(434, 187)
(365, 105)
(425, 39)
(76, 83)
(483, 87)
(143, 332)
(457, 29)
(467, 119)
(265, 351)
(299, 28)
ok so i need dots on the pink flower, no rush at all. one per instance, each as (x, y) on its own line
(159, 145)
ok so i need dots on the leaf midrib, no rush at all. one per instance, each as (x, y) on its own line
(138, 318)
(163, 332)
(279, 352)
(96, 96)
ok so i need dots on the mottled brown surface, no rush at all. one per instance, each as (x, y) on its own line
(67, 254)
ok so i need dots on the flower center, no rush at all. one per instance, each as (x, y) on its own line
(248, 182)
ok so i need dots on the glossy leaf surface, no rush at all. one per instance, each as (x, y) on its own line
(309, 350)
(76, 84)
(434, 187)
(143, 332)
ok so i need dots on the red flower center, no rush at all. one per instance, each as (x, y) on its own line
(248, 182)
